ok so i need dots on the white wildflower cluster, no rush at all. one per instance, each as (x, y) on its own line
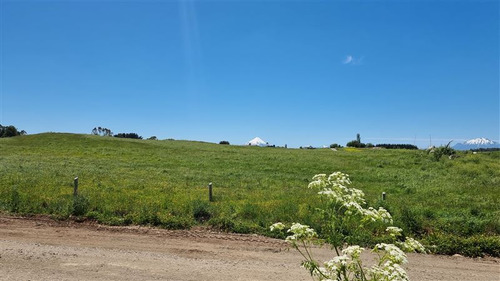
(409, 245)
(389, 266)
(277, 226)
(300, 232)
(389, 271)
(353, 251)
(349, 265)
(393, 231)
(335, 187)
(392, 253)
(349, 202)
(339, 178)
(380, 215)
(349, 261)
(319, 181)
(412, 245)
(333, 267)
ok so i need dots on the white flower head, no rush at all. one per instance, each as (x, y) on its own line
(353, 251)
(394, 231)
(392, 253)
(388, 271)
(412, 245)
(300, 232)
(341, 260)
(339, 178)
(277, 226)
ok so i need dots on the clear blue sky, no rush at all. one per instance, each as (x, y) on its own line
(291, 72)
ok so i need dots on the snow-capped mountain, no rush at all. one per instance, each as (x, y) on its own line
(257, 142)
(479, 141)
(476, 144)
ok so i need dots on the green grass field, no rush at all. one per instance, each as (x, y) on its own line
(452, 204)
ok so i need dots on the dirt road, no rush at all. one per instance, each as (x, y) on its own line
(42, 249)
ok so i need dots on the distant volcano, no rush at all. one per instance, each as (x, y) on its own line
(476, 144)
(257, 142)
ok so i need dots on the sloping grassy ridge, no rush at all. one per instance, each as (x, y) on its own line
(452, 204)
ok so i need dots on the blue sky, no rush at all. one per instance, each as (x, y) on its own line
(291, 72)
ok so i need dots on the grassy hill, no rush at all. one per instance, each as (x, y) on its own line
(453, 204)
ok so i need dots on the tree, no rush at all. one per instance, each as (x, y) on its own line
(107, 132)
(10, 131)
(397, 146)
(128, 136)
(223, 142)
(101, 131)
(355, 143)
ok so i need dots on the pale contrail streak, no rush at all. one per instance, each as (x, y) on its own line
(191, 46)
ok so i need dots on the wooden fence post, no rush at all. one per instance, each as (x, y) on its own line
(75, 189)
(210, 192)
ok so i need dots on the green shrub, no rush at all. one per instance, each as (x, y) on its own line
(148, 215)
(115, 221)
(438, 152)
(201, 211)
(246, 227)
(62, 208)
(474, 246)
(464, 225)
(222, 223)
(236, 226)
(174, 222)
(80, 205)
(249, 211)
(15, 200)
(93, 215)
(412, 221)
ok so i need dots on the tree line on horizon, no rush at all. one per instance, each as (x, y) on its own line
(358, 144)
(102, 131)
(105, 132)
(10, 131)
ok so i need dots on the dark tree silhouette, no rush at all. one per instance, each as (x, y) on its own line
(10, 131)
(101, 131)
(128, 136)
(397, 146)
